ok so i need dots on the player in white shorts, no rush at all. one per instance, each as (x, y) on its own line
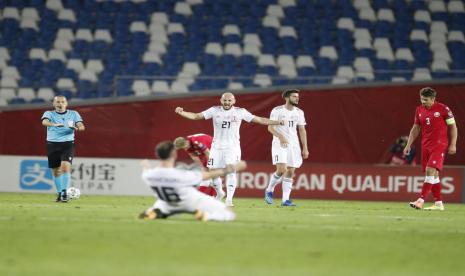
(285, 150)
(175, 189)
(226, 148)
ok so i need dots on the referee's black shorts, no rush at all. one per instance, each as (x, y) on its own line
(59, 151)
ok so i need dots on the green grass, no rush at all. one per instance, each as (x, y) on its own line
(99, 235)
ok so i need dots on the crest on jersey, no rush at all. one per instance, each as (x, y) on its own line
(233, 119)
(437, 114)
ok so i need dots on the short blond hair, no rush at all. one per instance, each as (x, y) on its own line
(180, 142)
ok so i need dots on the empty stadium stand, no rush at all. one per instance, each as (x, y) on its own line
(93, 49)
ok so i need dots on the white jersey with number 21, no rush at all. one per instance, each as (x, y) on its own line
(226, 125)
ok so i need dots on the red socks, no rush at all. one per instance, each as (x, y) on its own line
(436, 189)
(426, 189)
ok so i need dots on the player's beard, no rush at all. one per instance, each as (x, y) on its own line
(227, 107)
(294, 103)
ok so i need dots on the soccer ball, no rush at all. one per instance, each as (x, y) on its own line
(73, 193)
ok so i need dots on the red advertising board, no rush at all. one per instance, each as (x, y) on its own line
(352, 182)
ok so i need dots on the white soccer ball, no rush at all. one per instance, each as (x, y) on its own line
(73, 193)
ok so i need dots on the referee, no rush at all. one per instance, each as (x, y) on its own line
(61, 124)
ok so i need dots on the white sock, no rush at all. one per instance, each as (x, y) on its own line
(274, 180)
(287, 187)
(218, 185)
(438, 203)
(437, 180)
(231, 184)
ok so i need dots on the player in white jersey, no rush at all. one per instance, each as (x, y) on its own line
(285, 150)
(176, 192)
(226, 149)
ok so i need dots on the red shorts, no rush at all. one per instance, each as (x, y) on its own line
(433, 158)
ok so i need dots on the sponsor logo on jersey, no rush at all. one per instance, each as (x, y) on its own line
(437, 114)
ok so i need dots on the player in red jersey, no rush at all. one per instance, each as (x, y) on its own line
(434, 120)
(198, 147)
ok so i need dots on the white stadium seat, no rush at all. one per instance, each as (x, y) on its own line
(286, 31)
(404, 54)
(160, 87)
(456, 7)
(103, 35)
(7, 93)
(84, 34)
(179, 87)
(30, 13)
(8, 82)
(61, 44)
(138, 26)
(191, 68)
(75, 64)
(66, 34)
(159, 18)
(65, 84)
(183, 8)
(439, 65)
(12, 13)
(252, 39)
(329, 52)
(67, 15)
(422, 16)
(175, 28)
(157, 47)
(88, 75)
(56, 54)
(456, 36)
(437, 6)
(252, 50)
(141, 88)
(271, 21)
(26, 93)
(45, 94)
(363, 64)
(235, 86)
(94, 65)
(151, 57)
(361, 33)
(54, 5)
(367, 14)
(233, 49)
(421, 74)
(266, 60)
(231, 30)
(214, 48)
(305, 61)
(11, 72)
(418, 35)
(37, 53)
(28, 23)
(287, 3)
(275, 10)
(262, 80)
(346, 23)
(386, 15)
(289, 72)
(4, 53)
(360, 4)
(284, 60)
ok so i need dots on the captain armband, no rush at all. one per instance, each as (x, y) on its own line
(450, 121)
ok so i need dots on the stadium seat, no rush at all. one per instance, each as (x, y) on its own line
(456, 7)
(262, 80)
(65, 34)
(37, 53)
(160, 87)
(7, 93)
(141, 88)
(26, 93)
(178, 87)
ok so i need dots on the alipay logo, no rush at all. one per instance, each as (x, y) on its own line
(35, 175)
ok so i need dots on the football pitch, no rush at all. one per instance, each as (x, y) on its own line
(100, 235)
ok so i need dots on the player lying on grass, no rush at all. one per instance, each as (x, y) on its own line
(176, 192)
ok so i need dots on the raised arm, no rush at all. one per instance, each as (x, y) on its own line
(188, 115)
(453, 139)
(303, 141)
(266, 121)
(414, 132)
